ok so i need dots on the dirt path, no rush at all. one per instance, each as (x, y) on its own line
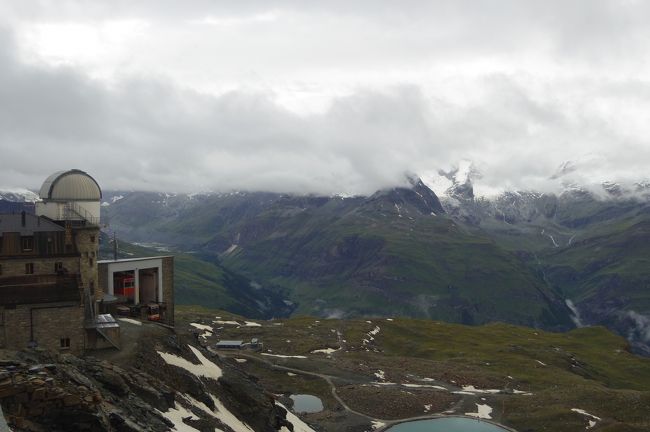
(329, 378)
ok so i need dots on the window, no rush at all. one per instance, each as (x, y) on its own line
(0, 269)
(58, 267)
(92, 239)
(64, 343)
(29, 268)
(90, 261)
(27, 243)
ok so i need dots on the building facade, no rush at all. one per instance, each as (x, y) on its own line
(48, 266)
(54, 293)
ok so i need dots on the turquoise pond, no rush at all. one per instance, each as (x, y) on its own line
(448, 424)
(304, 403)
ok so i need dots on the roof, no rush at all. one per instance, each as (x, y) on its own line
(106, 321)
(110, 261)
(230, 342)
(33, 223)
(35, 289)
(73, 184)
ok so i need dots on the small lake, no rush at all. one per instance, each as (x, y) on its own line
(304, 403)
(447, 424)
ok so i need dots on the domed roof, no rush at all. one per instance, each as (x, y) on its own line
(68, 185)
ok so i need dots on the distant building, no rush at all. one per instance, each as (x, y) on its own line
(230, 344)
(139, 287)
(50, 295)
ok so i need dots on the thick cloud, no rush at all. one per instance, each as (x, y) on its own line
(326, 97)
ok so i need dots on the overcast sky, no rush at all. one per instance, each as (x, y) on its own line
(324, 97)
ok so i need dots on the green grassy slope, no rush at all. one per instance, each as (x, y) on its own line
(369, 264)
(392, 254)
(201, 280)
(589, 368)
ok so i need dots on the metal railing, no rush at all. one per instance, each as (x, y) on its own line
(73, 211)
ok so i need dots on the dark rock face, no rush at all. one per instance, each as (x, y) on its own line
(42, 392)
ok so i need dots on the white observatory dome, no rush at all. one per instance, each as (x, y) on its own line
(71, 185)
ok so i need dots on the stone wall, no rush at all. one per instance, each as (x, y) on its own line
(168, 288)
(51, 323)
(42, 266)
(87, 242)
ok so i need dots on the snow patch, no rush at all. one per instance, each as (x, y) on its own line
(229, 418)
(483, 411)
(205, 369)
(298, 425)
(226, 322)
(593, 419)
(284, 356)
(326, 350)
(207, 330)
(437, 387)
(176, 415)
(252, 324)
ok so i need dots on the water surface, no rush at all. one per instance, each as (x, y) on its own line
(304, 403)
(447, 424)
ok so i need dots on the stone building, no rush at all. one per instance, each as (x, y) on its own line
(50, 295)
(40, 285)
(48, 266)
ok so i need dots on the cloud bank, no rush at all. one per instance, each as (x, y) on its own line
(342, 98)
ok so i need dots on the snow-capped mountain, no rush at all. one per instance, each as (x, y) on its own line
(18, 195)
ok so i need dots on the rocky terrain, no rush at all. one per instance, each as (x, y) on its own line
(370, 373)
(134, 389)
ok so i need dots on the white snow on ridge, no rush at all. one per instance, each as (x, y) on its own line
(206, 369)
(202, 327)
(229, 418)
(463, 172)
(176, 416)
(298, 425)
(17, 194)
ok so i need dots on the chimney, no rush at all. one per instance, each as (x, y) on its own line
(23, 218)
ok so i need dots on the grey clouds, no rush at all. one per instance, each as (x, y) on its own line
(338, 97)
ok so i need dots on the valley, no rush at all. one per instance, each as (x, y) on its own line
(371, 373)
(520, 258)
